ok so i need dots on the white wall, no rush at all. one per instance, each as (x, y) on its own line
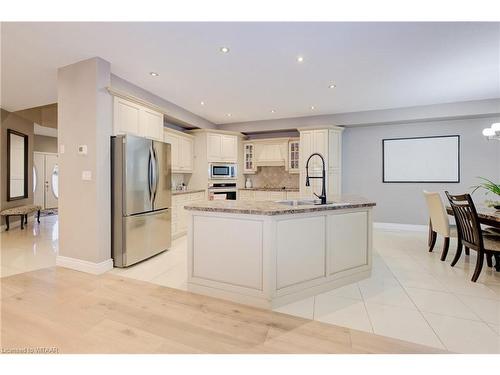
(403, 202)
(450, 111)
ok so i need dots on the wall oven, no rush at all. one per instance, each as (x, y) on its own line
(222, 191)
(222, 171)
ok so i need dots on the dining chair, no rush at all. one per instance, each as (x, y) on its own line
(471, 235)
(439, 223)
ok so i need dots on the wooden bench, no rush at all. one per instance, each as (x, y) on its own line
(23, 212)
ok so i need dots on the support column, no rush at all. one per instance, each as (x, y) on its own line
(84, 119)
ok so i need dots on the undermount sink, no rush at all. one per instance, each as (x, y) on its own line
(309, 202)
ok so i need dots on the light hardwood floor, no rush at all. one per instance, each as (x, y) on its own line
(81, 313)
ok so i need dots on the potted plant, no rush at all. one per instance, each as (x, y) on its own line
(490, 187)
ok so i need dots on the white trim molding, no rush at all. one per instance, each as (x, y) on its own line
(397, 226)
(84, 265)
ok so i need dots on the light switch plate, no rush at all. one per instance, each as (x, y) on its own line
(86, 175)
(61, 149)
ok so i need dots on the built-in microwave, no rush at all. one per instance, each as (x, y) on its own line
(221, 171)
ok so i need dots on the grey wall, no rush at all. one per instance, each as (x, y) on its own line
(42, 143)
(403, 202)
(85, 117)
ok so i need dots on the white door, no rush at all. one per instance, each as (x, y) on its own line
(51, 181)
(39, 179)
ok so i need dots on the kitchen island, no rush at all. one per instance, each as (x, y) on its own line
(268, 254)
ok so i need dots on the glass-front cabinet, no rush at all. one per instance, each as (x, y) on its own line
(293, 156)
(249, 158)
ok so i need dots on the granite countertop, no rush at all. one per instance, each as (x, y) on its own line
(270, 189)
(179, 192)
(270, 208)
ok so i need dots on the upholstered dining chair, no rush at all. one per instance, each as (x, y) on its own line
(471, 235)
(438, 222)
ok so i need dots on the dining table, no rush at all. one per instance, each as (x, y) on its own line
(487, 215)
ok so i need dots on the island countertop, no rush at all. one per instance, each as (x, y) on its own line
(270, 208)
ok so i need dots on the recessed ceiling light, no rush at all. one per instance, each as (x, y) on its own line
(313, 107)
(202, 103)
(272, 110)
(228, 115)
(332, 86)
(300, 59)
(224, 49)
(154, 74)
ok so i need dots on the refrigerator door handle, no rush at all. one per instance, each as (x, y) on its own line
(156, 173)
(150, 176)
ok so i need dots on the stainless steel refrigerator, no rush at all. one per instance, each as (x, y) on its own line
(140, 198)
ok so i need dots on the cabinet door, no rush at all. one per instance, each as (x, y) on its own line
(214, 147)
(293, 156)
(173, 139)
(151, 124)
(229, 148)
(262, 195)
(248, 158)
(126, 117)
(320, 145)
(246, 195)
(306, 147)
(186, 154)
(277, 195)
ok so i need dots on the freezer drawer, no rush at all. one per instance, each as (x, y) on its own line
(143, 236)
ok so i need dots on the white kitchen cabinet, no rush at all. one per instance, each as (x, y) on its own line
(277, 195)
(292, 195)
(151, 123)
(179, 214)
(126, 117)
(249, 158)
(181, 151)
(266, 195)
(132, 118)
(229, 148)
(328, 142)
(261, 195)
(186, 154)
(293, 156)
(246, 195)
(222, 147)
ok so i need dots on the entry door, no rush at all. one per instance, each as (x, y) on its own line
(51, 181)
(39, 179)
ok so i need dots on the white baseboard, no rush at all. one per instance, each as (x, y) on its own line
(396, 226)
(84, 265)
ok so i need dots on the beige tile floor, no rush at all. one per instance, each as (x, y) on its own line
(411, 294)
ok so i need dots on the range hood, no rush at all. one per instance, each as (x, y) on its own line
(271, 154)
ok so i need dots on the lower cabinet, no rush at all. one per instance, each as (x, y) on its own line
(179, 214)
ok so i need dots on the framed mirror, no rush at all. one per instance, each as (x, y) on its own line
(17, 165)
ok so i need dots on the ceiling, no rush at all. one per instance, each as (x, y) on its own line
(373, 65)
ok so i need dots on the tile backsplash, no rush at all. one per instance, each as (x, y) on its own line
(273, 177)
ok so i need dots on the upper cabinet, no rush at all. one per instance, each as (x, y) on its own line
(222, 147)
(181, 150)
(132, 118)
(249, 158)
(271, 152)
(326, 141)
(293, 156)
